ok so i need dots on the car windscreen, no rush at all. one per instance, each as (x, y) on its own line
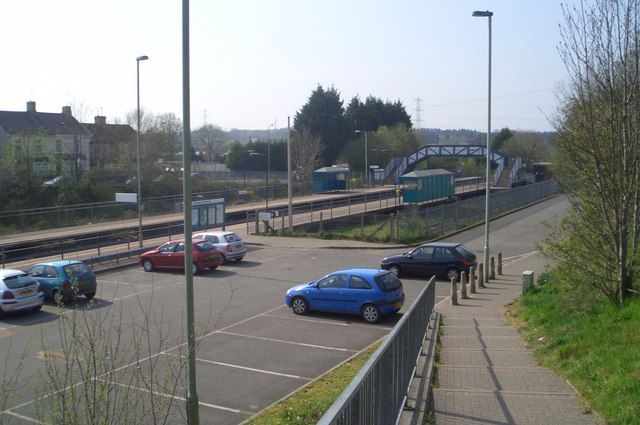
(463, 251)
(231, 237)
(388, 282)
(17, 281)
(204, 246)
(77, 269)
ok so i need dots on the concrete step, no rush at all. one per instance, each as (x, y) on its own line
(453, 357)
(482, 342)
(480, 331)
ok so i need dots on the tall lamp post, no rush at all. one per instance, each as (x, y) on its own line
(366, 158)
(487, 14)
(139, 176)
(289, 190)
(266, 192)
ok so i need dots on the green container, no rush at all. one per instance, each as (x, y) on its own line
(427, 185)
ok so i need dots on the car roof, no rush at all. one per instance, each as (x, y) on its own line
(58, 263)
(443, 244)
(214, 233)
(361, 272)
(9, 272)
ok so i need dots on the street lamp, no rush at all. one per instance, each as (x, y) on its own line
(487, 14)
(139, 176)
(366, 158)
(266, 193)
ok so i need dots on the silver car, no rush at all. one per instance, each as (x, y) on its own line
(19, 291)
(229, 244)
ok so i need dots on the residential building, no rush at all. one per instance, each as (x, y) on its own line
(110, 142)
(56, 143)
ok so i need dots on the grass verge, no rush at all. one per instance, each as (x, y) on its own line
(307, 405)
(591, 342)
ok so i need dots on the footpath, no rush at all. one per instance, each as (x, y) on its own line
(486, 374)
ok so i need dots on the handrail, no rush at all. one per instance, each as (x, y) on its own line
(378, 392)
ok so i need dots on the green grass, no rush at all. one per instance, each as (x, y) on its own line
(309, 404)
(588, 340)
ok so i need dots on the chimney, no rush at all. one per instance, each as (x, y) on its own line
(67, 110)
(31, 106)
(100, 120)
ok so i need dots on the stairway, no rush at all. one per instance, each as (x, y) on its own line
(505, 176)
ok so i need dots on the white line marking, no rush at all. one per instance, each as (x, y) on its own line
(268, 372)
(123, 283)
(329, 322)
(288, 342)
(26, 418)
(213, 406)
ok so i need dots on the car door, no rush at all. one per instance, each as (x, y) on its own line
(50, 279)
(443, 258)
(329, 293)
(162, 258)
(37, 272)
(358, 291)
(177, 258)
(422, 261)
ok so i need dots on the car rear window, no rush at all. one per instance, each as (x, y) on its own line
(204, 246)
(231, 237)
(76, 269)
(388, 282)
(463, 251)
(18, 281)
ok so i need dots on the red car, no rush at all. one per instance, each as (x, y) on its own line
(171, 256)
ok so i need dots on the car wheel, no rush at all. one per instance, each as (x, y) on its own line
(370, 313)
(299, 305)
(90, 295)
(37, 308)
(395, 270)
(239, 259)
(147, 265)
(194, 268)
(213, 267)
(453, 274)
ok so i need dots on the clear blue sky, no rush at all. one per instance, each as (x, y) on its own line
(255, 61)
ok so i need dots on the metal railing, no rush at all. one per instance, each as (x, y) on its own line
(378, 393)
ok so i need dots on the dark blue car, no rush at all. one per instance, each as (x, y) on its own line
(369, 293)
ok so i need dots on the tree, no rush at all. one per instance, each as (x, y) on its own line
(323, 118)
(504, 135)
(306, 151)
(210, 139)
(597, 159)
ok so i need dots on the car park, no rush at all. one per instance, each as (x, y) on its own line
(170, 255)
(369, 293)
(438, 258)
(65, 278)
(19, 292)
(230, 245)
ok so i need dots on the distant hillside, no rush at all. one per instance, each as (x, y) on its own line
(436, 136)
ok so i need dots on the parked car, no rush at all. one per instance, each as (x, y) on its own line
(369, 293)
(440, 259)
(230, 245)
(171, 256)
(19, 291)
(65, 278)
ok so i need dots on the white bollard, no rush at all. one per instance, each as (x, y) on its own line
(472, 280)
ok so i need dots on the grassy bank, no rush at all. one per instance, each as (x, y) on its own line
(309, 404)
(586, 339)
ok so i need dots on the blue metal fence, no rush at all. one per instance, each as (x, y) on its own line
(378, 393)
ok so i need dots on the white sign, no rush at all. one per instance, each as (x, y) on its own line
(242, 192)
(265, 216)
(127, 197)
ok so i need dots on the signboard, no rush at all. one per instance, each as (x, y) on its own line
(127, 197)
(208, 213)
(265, 216)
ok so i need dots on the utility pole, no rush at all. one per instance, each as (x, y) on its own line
(289, 192)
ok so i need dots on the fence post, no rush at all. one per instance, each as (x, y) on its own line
(481, 276)
(3, 257)
(320, 222)
(349, 198)
(257, 223)
(361, 224)
(61, 250)
(391, 233)
(331, 207)
(282, 222)
(454, 292)
(463, 285)
(380, 198)
(472, 280)
(311, 211)
(499, 263)
(365, 202)
(247, 220)
(98, 238)
(492, 269)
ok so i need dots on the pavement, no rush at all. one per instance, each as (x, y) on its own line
(486, 373)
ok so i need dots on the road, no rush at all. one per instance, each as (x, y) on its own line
(252, 349)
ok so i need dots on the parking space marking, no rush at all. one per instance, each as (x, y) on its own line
(23, 417)
(268, 372)
(201, 403)
(329, 322)
(124, 283)
(324, 347)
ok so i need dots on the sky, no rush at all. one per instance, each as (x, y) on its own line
(255, 62)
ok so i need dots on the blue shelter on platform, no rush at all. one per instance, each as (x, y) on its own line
(328, 179)
(427, 185)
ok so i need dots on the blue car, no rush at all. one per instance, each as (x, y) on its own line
(65, 278)
(369, 293)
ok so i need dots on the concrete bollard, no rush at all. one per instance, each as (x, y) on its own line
(500, 263)
(454, 292)
(481, 276)
(472, 280)
(492, 268)
(463, 285)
